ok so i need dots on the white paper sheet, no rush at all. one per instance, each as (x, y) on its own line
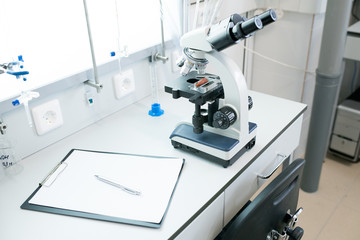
(76, 187)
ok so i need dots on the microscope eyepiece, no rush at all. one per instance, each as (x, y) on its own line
(268, 17)
(245, 28)
(234, 28)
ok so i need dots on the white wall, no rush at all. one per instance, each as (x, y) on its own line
(295, 40)
(77, 114)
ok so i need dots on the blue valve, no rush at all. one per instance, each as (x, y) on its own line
(15, 102)
(19, 73)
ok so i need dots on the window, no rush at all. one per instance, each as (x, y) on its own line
(52, 36)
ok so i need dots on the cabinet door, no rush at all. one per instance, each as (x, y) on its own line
(208, 224)
(246, 185)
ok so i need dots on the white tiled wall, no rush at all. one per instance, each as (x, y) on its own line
(77, 114)
(294, 40)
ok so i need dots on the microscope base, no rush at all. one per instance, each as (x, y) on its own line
(210, 145)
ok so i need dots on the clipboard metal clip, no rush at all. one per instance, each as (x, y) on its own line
(53, 175)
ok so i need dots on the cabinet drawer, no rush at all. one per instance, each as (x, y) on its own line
(208, 224)
(244, 187)
(343, 145)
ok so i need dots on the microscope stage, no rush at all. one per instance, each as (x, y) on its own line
(188, 87)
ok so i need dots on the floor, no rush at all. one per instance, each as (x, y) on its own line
(333, 212)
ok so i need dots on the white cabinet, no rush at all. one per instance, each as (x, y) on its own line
(352, 50)
(244, 187)
(211, 221)
(208, 224)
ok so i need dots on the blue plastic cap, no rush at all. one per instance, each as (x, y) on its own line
(15, 102)
(112, 54)
(156, 110)
(20, 58)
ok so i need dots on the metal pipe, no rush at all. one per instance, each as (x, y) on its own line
(162, 28)
(328, 79)
(162, 56)
(97, 85)
(184, 16)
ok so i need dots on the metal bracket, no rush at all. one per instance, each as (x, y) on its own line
(274, 235)
(288, 231)
(294, 218)
(159, 57)
(98, 86)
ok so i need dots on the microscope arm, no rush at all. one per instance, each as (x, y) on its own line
(236, 93)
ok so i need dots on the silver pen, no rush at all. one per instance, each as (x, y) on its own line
(115, 184)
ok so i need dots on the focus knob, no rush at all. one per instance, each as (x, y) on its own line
(224, 118)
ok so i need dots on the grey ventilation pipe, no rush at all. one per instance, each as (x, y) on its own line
(328, 79)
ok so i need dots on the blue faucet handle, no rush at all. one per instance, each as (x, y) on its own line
(18, 73)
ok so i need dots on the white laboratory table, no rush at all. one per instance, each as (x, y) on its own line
(207, 195)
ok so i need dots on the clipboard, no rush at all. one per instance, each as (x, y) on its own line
(72, 189)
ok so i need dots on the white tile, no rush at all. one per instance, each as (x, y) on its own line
(316, 211)
(290, 5)
(352, 197)
(316, 35)
(336, 179)
(286, 41)
(332, 212)
(343, 224)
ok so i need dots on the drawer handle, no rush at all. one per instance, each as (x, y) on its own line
(284, 157)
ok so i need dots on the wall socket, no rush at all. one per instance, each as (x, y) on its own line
(124, 83)
(47, 116)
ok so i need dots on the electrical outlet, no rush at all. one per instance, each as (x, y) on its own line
(124, 83)
(47, 116)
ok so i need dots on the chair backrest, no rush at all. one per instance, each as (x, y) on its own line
(270, 210)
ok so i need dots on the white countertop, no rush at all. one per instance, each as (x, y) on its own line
(132, 130)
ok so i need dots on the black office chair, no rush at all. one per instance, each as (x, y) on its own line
(272, 215)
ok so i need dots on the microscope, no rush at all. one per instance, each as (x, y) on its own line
(222, 131)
